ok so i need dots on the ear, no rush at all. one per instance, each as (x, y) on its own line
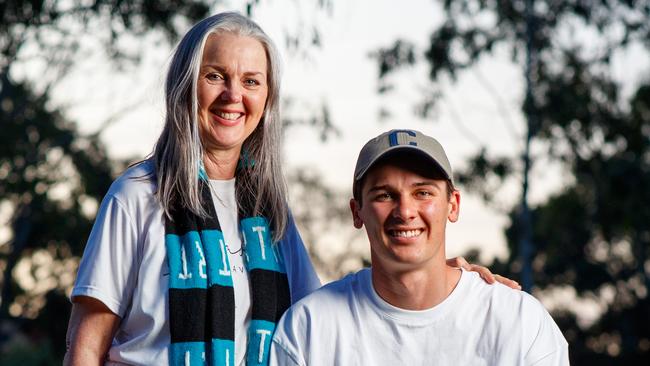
(356, 219)
(454, 206)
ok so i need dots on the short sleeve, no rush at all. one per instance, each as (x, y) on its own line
(280, 357)
(548, 348)
(108, 268)
(302, 277)
(290, 334)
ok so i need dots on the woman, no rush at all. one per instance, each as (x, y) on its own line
(164, 278)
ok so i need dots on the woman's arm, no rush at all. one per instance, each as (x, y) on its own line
(484, 272)
(90, 332)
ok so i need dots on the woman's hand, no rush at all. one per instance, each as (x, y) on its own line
(484, 272)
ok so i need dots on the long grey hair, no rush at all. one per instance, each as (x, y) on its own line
(178, 153)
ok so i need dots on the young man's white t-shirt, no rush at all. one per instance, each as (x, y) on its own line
(125, 267)
(347, 323)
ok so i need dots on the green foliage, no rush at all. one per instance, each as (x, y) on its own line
(51, 177)
(318, 211)
(593, 236)
(319, 119)
(485, 174)
(41, 154)
(24, 355)
(22, 22)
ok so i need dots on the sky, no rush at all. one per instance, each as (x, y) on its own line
(345, 77)
(480, 109)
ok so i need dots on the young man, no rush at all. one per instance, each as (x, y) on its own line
(410, 308)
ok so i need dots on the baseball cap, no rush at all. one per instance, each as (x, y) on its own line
(403, 141)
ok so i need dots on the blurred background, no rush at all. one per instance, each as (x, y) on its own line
(543, 107)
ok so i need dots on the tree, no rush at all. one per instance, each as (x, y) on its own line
(592, 238)
(51, 177)
(334, 246)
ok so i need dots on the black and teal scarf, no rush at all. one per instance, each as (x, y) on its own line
(201, 294)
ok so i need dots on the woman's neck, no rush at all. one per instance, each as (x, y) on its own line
(220, 165)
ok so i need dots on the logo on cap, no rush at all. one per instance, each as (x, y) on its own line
(392, 137)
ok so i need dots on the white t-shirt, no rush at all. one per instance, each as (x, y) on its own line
(225, 203)
(125, 267)
(347, 323)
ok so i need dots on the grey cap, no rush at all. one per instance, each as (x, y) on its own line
(402, 140)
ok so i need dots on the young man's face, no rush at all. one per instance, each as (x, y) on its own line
(405, 214)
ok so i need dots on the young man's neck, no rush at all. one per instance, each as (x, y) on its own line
(416, 289)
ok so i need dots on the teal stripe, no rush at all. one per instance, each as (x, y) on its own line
(187, 353)
(217, 255)
(224, 352)
(187, 263)
(261, 252)
(260, 334)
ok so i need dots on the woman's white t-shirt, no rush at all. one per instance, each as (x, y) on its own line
(125, 267)
(225, 203)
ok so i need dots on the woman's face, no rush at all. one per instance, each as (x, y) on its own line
(232, 90)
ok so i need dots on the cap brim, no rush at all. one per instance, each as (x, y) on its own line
(399, 150)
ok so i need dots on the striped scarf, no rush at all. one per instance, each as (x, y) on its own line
(201, 293)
